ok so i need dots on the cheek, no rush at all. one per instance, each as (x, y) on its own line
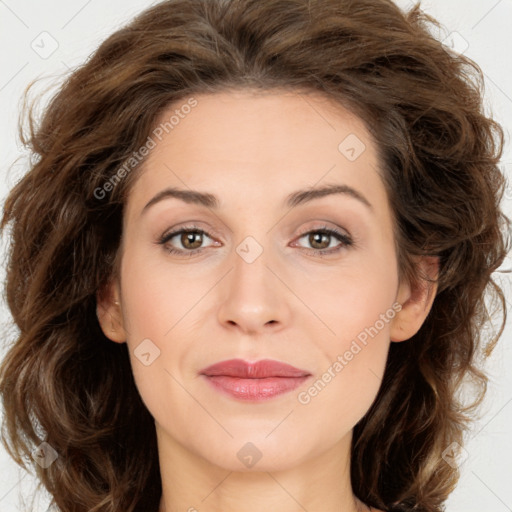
(353, 304)
(356, 310)
(154, 295)
(344, 389)
(152, 305)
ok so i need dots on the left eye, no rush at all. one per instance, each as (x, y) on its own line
(325, 236)
(320, 236)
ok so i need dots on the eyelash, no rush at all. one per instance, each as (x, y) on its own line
(346, 240)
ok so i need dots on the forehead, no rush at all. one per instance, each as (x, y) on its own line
(257, 124)
(259, 145)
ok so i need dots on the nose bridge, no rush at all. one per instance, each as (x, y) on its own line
(251, 276)
(253, 297)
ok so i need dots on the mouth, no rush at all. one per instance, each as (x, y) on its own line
(258, 381)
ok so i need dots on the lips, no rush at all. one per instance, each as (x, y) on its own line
(259, 370)
(262, 380)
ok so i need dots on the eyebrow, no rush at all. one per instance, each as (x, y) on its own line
(292, 200)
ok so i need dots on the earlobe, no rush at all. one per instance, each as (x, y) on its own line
(109, 313)
(416, 300)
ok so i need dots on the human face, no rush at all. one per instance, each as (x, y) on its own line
(259, 288)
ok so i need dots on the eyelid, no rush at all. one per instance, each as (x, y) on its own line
(324, 227)
(208, 230)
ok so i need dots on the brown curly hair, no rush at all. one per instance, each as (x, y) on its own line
(63, 382)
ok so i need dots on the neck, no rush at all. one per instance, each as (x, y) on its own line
(191, 483)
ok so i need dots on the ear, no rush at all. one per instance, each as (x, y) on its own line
(109, 312)
(416, 300)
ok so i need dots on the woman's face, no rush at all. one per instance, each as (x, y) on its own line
(248, 282)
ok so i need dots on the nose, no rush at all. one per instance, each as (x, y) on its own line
(253, 299)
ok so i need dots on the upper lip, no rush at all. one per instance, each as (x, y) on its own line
(257, 370)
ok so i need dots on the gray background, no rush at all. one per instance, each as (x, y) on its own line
(47, 39)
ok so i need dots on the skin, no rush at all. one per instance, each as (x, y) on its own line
(290, 304)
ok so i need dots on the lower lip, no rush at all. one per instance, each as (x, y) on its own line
(254, 389)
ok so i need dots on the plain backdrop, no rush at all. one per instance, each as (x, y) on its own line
(47, 39)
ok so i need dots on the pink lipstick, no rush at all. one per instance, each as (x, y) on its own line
(258, 381)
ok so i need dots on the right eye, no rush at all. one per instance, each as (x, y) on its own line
(190, 239)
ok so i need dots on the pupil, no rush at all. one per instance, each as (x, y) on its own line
(314, 239)
(189, 237)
